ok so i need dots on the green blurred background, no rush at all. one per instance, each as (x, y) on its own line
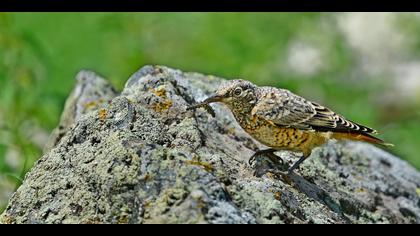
(365, 66)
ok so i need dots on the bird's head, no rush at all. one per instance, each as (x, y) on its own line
(235, 94)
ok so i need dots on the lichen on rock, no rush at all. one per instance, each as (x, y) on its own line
(141, 157)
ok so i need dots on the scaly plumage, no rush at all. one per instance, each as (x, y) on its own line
(285, 121)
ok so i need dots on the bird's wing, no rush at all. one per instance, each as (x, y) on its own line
(286, 109)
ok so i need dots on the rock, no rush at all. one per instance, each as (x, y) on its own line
(91, 92)
(143, 158)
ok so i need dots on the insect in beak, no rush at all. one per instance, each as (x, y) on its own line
(205, 104)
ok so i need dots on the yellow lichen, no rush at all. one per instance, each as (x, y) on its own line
(271, 175)
(160, 91)
(92, 104)
(6, 219)
(123, 219)
(146, 204)
(92, 221)
(231, 130)
(165, 104)
(418, 192)
(174, 196)
(277, 195)
(359, 190)
(102, 115)
(147, 177)
(206, 166)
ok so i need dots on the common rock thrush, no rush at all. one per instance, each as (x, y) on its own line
(282, 120)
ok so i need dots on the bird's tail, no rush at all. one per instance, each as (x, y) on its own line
(362, 137)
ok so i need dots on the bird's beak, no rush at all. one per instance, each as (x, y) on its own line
(213, 98)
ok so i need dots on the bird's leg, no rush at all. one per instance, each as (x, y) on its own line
(293, 167)
(300, 161)
(269, 153)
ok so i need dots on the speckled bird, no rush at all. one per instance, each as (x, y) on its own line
(282, 120)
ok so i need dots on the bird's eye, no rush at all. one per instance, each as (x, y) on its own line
(237, 92)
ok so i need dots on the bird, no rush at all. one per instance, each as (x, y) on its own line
(282, 120)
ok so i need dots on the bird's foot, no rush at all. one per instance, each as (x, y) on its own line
(275, 161)
(267, 152)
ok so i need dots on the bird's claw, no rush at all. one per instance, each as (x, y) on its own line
(269, 153)
(252, 159)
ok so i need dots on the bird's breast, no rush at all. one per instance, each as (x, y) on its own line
(278, 137)
(283, 138)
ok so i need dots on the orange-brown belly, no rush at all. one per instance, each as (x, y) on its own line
(287, 138)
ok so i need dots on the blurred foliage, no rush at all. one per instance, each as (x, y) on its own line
(41, 53)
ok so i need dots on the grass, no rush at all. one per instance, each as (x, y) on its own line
(41, 53)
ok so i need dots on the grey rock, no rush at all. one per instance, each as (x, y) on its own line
(90, 92)
(143, 158)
